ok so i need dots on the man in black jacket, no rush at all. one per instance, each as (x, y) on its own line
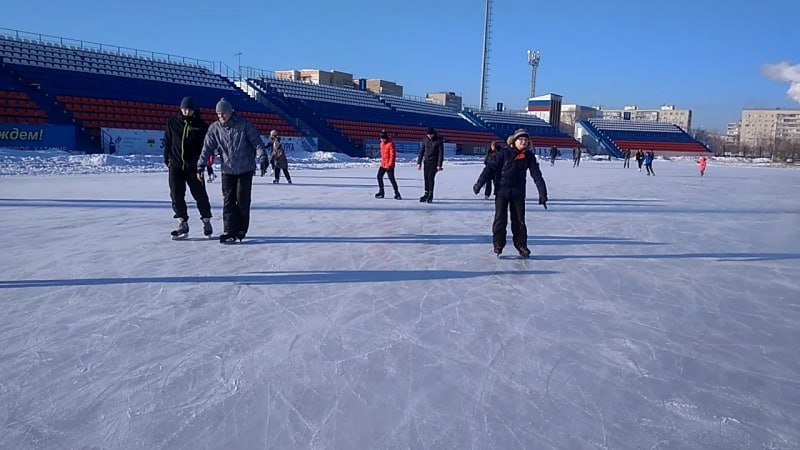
(431, 152)
(511, 165)
(183, 141)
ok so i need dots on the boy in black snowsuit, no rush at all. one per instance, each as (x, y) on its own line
(508, 169)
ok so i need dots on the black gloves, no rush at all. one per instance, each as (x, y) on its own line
(543, 201)
(476, 188)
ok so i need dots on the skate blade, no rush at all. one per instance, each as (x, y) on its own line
(180, 237)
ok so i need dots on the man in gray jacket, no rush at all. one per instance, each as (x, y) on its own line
(237, 143)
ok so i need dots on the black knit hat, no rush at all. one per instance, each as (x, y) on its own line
(384, 134)
(430, 130)
(187, 103)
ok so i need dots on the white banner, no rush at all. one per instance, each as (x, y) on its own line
(132, 142)
(148, 142)
(293, 143)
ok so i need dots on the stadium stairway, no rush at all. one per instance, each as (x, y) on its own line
(304, 118)
(604, 142)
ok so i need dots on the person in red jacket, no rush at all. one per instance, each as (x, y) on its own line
(388, 159)
(701, 164)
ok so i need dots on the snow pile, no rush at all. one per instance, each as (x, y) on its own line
(56, 162)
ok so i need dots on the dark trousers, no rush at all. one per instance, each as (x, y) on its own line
(576, 162)
(639, 163)
(210, 169)
(278, 173)
(626, 163)
(429, 171)
(236, 190)
(649, 168)
(178, 179)
(519, 231)
(488, 190)
(390, 172)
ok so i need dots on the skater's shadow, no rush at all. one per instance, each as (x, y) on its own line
(373, 186)
(424, 239)
(281, 278)
(82, 203)
(719, 257)
(352, 178)
(440, 239)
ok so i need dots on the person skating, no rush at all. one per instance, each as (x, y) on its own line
(648, 163)
(278, 158)
(431, 153)
(490, 155)
(576, 156)
(235, 140)
(183, 142)
(626, 158)
(639, 159)
(701, 165)
(509, 168)
(388, 160)
(553, 155)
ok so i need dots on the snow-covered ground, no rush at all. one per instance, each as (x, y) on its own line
(657, 312)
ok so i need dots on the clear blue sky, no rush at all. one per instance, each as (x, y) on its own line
(705, 55)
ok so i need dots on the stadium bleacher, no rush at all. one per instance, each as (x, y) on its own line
(361, 116)
(101, 89)
(634, 135)
(99, 86)
(504, 124)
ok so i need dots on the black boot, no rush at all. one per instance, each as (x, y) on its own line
(430, 197)
(397, 196)
(227, 238)
(424, 198)
(379, 194)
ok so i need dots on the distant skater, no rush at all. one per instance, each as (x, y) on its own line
(388, 160)
(648, 163)
(701, 164)
(639, 159)
(553, 155)
(491, 154)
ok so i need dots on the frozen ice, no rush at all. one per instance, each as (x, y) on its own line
(656, 312)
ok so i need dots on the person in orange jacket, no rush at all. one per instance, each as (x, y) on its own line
(701, 164)
(388, 159)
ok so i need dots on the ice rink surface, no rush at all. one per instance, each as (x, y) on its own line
(658, 312)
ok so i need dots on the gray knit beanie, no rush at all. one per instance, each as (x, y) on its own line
(224, 106)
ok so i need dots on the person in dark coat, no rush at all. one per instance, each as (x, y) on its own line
(576, 157)
(626, 161)
(490, 155)
(278, 158)
(237, 143)
(639, 159)
(553, 155)
(431, 153)
(183, 142)
(509, 168)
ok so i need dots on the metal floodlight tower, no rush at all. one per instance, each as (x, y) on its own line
(533, 60)
(487, 25)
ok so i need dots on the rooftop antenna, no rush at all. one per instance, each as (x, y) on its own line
(487, 24)
(533, 61)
